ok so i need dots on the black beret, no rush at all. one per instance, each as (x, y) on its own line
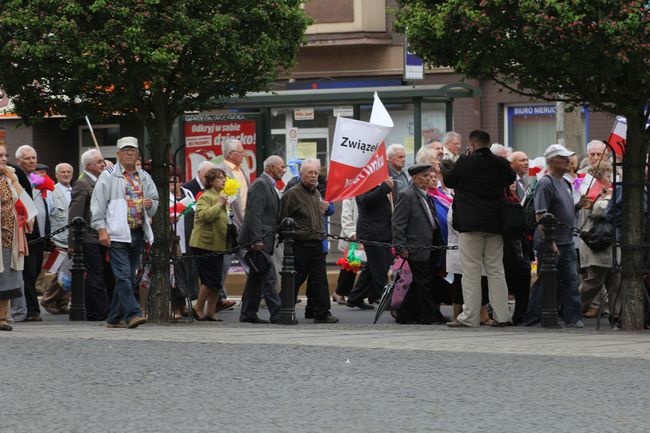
(419, 168)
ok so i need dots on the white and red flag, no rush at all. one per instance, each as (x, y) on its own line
(358, 161)
(618, 136)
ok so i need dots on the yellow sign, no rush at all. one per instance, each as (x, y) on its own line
(306, 149)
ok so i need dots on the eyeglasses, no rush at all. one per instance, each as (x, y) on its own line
(129, 149)
(99, 162)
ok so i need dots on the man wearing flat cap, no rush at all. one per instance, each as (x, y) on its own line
(123, 200)
(480, 180)
(554, 195)
(415, 227)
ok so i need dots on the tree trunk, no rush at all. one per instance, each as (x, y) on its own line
(159, 299)
(633, 251)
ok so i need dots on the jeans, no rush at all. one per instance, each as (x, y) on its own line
(567, 287)
(124, 262)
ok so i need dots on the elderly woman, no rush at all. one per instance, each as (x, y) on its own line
(597, 264)
(14, 243)
(209, 235)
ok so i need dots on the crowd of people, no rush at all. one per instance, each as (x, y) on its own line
(446, 198)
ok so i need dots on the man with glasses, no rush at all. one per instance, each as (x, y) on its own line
(122, 202)
(97, 295)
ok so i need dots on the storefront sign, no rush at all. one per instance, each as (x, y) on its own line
(344, 111)
(303, 114)
(203, 141)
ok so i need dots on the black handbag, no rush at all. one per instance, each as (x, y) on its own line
(513, 224)
(600, 235)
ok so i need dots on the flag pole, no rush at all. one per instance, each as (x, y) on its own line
(92, 133)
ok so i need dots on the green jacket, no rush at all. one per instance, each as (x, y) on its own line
(210, 223)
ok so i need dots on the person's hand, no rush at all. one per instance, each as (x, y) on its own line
(403, 254)
(222, 200)
(147, 203)
(585, 202)
(556, 250)
(324, 206)
(104, 239)
(390, 182)
(258, 246)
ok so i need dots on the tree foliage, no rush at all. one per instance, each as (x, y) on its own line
(151, 60)
(594, 52)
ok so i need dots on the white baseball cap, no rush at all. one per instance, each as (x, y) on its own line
(557, 150)
(127, 142)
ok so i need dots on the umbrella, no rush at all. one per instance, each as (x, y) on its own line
(387, 295)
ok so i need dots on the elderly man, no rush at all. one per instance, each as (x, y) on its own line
(27, 160)
(232, 165)
(519, 163)
(452, 143)
(437, 147)
(373, 224)
(554, 195)
(596, 152)
(415, 224)
(123, 200)
(261, 216)
(304, 204)
(97, 294)
(480, 180)
(196, 185)
(55, 300)
(396, 156)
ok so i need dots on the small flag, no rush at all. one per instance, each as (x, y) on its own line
(182, 207)
(54, 261)
(618, 136)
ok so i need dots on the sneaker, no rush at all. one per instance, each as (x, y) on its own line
(578, 324)
(327, 319)
(116, 325)
(135, 322)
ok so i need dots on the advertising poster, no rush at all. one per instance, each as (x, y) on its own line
(204, 136)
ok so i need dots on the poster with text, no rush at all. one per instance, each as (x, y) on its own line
(204, 138)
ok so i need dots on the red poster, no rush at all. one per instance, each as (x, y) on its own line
(204, 137)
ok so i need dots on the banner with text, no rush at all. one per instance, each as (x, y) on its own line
(204, 138)
(358, 160)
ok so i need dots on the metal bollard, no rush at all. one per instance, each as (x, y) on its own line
(288, 272)
(78, 269)
(548, 274)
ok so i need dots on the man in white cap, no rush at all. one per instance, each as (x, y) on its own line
(123, 200)
(554, 195)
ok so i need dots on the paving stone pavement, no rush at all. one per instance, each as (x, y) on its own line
(60, 376)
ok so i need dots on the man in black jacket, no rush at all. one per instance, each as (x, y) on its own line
(374, 224)
(480, 180)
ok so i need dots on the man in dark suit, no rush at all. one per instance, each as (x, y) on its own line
(374, 224)
(261, 216)
(415, 227)
(27, 160)
(97, 294)
(519, 163)
(480, 180)
(196, 185)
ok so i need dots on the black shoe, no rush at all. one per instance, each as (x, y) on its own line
(309, 314)
(360, 305)
(327, 319)
(5, 327)
(34, 318)
(252, 319)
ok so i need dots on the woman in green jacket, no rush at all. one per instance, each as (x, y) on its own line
(209, 235)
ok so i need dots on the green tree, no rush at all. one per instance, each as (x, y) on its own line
(594, 52)
(151, 60)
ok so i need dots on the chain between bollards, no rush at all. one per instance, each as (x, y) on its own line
(548, 273)
(287, 296)
(78, 269)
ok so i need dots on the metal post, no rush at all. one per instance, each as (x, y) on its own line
(288, 272)
(548, 274)
(78, 269)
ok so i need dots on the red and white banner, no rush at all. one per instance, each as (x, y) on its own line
(204, 138)
(618, 136)
(358, 161)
